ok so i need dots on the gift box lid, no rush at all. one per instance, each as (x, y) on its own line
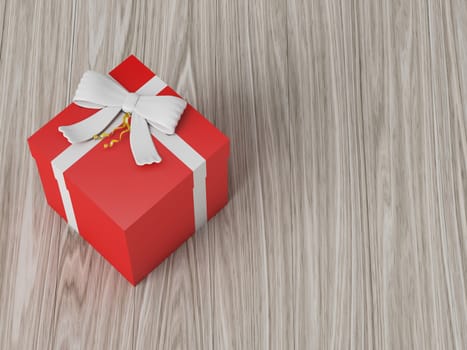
(109, 176)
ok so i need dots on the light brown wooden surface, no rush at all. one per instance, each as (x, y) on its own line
(347, 223)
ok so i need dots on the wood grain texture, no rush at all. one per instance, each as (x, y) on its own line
(347, 223)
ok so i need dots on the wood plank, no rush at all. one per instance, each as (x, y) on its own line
(332, 282)
(32, 64)
(173, 306)
(3, 11)
(411, 113)
(253, 244)
(94, 304)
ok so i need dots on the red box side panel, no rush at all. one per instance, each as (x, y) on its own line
(161, 230)
(217, 177)
(102, 233)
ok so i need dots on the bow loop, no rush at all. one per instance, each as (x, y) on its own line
(162, 112)
(130, 103)
(96, 90)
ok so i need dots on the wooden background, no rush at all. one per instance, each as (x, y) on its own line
(347, 223)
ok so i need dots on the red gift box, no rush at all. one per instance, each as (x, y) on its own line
(134, 216)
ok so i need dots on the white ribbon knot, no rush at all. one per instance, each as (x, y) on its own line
(130, 103)
(96, 90)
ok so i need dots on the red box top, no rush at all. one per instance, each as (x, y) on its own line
(109, 176)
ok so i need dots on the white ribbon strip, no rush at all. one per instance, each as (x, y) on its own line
(173, 143)
(196, 163)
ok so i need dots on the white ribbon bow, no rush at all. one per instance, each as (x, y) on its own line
(96, 90)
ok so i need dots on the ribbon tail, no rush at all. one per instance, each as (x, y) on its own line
(141, 143)
(87, 128)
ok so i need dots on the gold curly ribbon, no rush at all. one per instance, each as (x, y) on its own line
(124, 126)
